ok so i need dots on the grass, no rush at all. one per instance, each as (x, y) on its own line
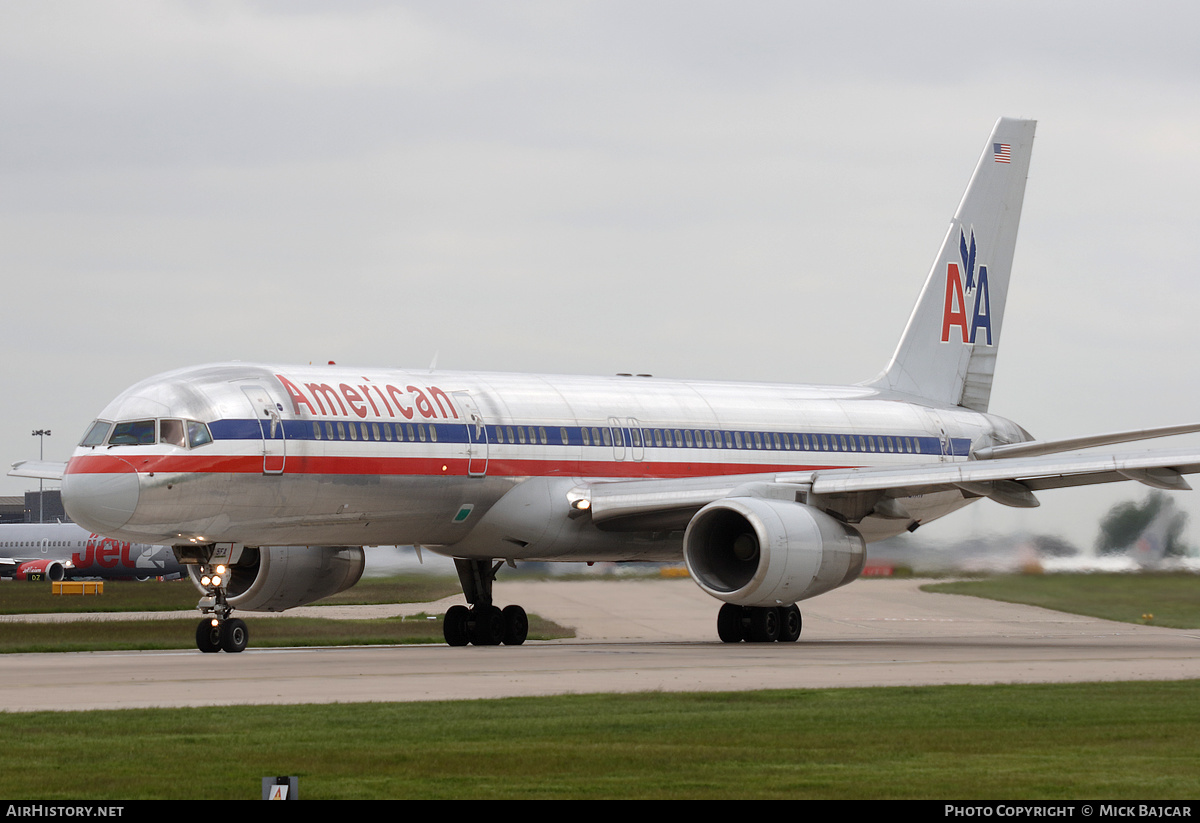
(1113, 741)
(180, 633)
(114, 635)
(1167, 599)
(19, 597)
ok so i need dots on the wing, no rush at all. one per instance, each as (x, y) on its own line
(38, 469)
(857, 494)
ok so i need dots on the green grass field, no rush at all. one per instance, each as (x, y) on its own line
(179, 633)
(1111, 741)
(1171, 600)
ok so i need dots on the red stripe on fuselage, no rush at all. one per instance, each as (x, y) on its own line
(416, 466)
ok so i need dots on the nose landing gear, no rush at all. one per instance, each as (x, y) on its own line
(221, 631)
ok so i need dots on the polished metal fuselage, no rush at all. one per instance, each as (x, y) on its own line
(338, 456)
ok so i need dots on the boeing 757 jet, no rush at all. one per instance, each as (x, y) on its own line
(271, 480)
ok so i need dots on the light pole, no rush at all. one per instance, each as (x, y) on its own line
(41, 434)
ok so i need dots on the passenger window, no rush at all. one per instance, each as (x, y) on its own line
(421, 432)
(341, 431)
(687, 436)
(433, 432)
(586, 440)
(353, 430)
(562, 435)
(374, 431)
(316, 430)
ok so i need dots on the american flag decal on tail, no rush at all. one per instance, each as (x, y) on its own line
(1002, 152)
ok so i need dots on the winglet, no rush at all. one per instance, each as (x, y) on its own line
(947, 353)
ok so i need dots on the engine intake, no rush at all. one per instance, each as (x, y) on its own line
(275, 578)
(759, 552)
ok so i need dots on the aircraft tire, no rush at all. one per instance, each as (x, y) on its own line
(764, 624)
(790, 623)
(729, 624)
(489, 626)
(454, 626)
(208, 637)
(516, 625)
(234, 635)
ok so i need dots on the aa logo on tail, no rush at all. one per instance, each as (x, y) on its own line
(975, 327)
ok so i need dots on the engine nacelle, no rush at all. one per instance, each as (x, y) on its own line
(758, 552)
(52, 570)
(274, 578)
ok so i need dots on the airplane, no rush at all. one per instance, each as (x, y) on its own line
(60, 551)
(270, 480)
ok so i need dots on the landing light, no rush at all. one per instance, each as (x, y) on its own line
(582, 504)
(205, 580)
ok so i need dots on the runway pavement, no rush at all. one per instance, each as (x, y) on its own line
(645, 635)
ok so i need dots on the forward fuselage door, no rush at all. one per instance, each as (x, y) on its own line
(477, 439)
(270, 423)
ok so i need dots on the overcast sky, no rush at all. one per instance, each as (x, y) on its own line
(749, 190)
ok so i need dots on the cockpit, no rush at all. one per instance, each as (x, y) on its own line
(186, 434)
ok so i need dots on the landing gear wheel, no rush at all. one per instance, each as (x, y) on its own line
(789, 624)
(455, 627)
(234, 635)
(489, 626)
(729, 624)
(764, 625)
(208, 636)
(516, 625)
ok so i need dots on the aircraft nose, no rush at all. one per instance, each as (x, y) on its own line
(101, 501)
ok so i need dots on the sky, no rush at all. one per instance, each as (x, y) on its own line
(694, 189)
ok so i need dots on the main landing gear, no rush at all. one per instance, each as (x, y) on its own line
(759, 624)
(483, 624)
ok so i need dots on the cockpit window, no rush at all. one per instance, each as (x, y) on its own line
(133, 433)
(96, 433)
(171, 431)
(198, 434)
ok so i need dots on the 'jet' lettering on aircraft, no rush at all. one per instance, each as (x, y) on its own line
(104, 552)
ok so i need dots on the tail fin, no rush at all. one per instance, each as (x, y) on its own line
(947, 353)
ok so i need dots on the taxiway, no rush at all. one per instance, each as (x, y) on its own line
(632, 636)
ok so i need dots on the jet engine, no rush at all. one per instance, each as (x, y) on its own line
(753, 551)
(275, 578)
(52, 570)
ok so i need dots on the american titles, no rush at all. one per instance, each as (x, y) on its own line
(369, 399)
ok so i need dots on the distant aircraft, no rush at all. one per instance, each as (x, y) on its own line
(269, 480)
(58, 551)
